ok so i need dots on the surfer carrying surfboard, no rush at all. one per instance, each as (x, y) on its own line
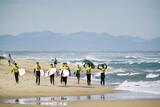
(61, 69)
(88, 73)
(102, 68)
(51, 72)
(55, 61)
(37, 73)
(15, 70)
(78, 72)
(65, 73)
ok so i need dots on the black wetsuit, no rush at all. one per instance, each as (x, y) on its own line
(103, 79)
(16, 74)
(38, 74)
(52, 79)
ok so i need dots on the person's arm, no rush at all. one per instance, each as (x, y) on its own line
(61, 72)
(48, 72)
(84, 66)
(80, 69)
(40, 67)
(34, 71)
(69, 71)
(12, 69)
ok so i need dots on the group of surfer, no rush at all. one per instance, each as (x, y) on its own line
(64, 72)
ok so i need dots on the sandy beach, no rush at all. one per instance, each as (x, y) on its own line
(28, 88)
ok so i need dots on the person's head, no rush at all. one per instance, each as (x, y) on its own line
(78, 65)
(37, 63)
(51, 65)
(15, 64)
(89, 65)
(65, 64)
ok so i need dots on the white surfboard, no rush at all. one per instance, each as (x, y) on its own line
(60, 72)
(21, 71)
(65, 73)
(46, 74)
(52, 71)
(42, 72)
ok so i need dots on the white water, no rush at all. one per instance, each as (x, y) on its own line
(151, 75)
(152, 87)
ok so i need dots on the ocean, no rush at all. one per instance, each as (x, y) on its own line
(130, 71)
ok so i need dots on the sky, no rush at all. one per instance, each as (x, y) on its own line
(139, 18)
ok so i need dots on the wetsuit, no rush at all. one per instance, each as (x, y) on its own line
(37, 73)
(88, 74)
(64, 79)
(102, 70)
(16, 73)
(78, 73)
(52, 77)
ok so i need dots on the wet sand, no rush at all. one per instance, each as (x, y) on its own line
(116, 103)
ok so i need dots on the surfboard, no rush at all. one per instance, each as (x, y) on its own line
(46, 74)
(52, 71)
(65, 73)
(21, 71)
(42, 72)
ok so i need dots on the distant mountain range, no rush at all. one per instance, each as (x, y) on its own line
(80, 41)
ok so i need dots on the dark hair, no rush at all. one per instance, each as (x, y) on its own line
(89, 65)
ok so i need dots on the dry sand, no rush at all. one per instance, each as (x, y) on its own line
(27, 88)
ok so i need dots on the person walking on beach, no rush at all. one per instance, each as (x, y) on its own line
(88, 73)
(9, 59)
(51, 76)
(102, 68)
(55, 61)
(37, 73)
(62, 68)
(78, 72)
(65, 70)
(16, 72)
